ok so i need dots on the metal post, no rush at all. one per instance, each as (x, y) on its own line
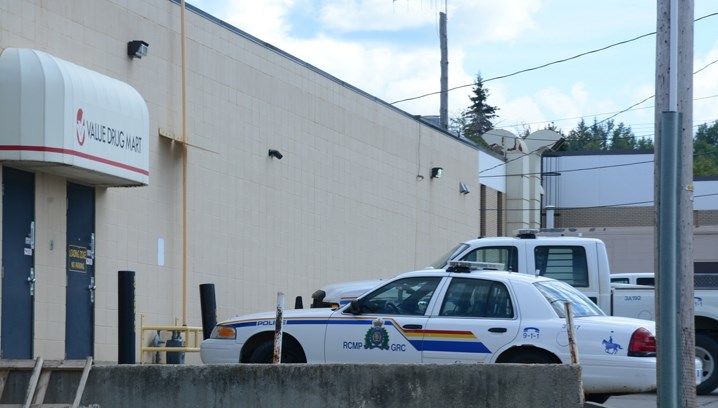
(278, 330)
(674, 93)
(444, 99)
(571, 330)
(208, 305)
(669, 259)
(126, 317)
(571, 333)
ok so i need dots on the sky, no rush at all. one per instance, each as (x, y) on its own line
(391, 49)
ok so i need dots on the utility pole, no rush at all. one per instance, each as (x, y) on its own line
(444, 99)
(673, 189)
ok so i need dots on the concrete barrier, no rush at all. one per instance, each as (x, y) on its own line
(331, 385)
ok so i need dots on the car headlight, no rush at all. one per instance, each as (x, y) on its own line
(223, 332)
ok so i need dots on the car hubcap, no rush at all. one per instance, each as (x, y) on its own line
(708, 363)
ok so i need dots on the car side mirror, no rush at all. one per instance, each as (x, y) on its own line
(355, 307)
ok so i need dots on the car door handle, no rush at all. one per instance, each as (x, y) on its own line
(497, 330)
(411, 326)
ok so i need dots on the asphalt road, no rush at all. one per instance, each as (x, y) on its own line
(649, 401)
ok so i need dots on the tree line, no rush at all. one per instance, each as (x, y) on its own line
(606, 135)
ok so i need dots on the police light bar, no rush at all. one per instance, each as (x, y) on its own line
(526, 232)
(468, 266)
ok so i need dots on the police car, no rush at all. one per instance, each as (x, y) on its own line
(453, 316)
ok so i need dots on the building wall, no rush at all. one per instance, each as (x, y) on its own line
(609, 195)
(351, 199)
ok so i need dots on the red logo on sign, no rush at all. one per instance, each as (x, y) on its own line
(80, 129)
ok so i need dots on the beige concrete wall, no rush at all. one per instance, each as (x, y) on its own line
(344, 203)
(331, 385)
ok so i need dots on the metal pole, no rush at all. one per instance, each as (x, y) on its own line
(278, 330)
(208, 305)
(669, 259)
(444, 100)
(184, 166)
(674, 94)
(571, 330)
(126, 317)
(571, 333)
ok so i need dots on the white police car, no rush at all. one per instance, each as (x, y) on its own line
(439, 316)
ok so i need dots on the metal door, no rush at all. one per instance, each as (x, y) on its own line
(18, 276)
(80, 311)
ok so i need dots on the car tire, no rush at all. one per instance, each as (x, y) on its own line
(264, 354)
(597, 398)
(707, 351)
(530, 357)
(535, 357)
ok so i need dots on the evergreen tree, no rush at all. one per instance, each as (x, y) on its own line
(477, 119)
(604, 136)
(705, 150)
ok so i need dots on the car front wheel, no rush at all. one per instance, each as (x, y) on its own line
(263, 354)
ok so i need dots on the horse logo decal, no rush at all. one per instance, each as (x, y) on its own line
(610, 346)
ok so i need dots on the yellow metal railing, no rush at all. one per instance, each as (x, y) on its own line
(189, 333)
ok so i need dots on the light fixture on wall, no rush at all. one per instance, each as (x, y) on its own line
(276, 154)
(137, 49)
(436, 172)
(463, 189)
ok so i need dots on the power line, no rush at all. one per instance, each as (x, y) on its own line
(546, 64)
(592, 207)
(574, 170)
(582, 168)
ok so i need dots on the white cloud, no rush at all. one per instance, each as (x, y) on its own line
(374, 15)
(264, 19)
(393, 67)
(482, 21)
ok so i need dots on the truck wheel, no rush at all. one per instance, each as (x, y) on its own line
(707, 351)
(264, 353)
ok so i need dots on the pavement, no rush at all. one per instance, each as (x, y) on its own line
(649, 400)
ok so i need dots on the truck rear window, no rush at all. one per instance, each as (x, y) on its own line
(564, 263)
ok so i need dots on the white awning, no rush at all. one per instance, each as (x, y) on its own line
(60, 118)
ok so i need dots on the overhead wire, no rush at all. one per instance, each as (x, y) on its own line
(558, 62)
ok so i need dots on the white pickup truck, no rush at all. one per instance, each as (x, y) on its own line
(583, 263)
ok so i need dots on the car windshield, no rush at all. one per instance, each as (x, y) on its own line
(441, 262)
(408, 296)
(557, 292)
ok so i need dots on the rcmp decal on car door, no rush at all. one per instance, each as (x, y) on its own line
(377, 337)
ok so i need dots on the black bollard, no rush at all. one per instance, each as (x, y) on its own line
(209, 308)
(298, 303)
(126, 317)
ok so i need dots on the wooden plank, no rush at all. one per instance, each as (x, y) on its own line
(33, 382)
(83, 381)
(3, 380)
(17, 364)
(41, 388)
(40, 380)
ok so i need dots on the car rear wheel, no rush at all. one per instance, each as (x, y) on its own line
(598, 398)
(707, 351)
(537, 357)
(530, 357)
(263, 354)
